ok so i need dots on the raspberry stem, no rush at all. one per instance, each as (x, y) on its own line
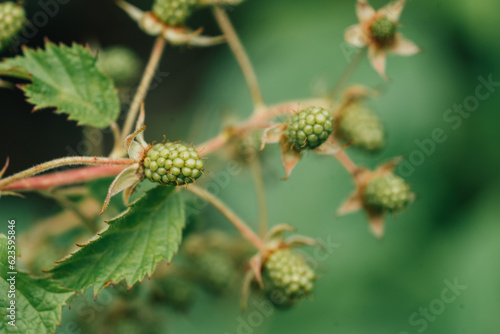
(140, 94)
(59, 163)
(230, 215)
(344, 159)
(347, 73)
(64, 178)
(241, 56)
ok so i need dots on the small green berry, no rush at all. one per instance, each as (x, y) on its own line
(177, 292)
(215, 270)
(362, 127)
(287, 277)
(12, 17)
(309, 128)
(388, 192)
(172, 164)
(120, 64)
(174, 12)
(383, 31)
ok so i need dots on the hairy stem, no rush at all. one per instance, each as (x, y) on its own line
(68, 161)
(347, 73)
(142, 90)
(65, 178)
(241, 56)
(230, 215)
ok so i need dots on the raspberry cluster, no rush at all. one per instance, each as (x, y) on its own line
(388, 192)
(361, 127)
(12, 18)
(173, 12)
(172, 164)
(383, 30)
(287, 277)
(309, 128)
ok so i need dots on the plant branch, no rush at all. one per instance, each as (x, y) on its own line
(241, 56)
(230, 215)
(68, 161)
(347, 73)
(143, 88)
(344, 159)
(64, 178)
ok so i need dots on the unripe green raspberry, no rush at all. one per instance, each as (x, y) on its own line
(383, 31)
(178, 292)
(12, 17)
(309, 128)
(172, 164)
(287, 277)
(173, 12)
(388, 192)
(362, 127)
(215, 270)
(120, 64)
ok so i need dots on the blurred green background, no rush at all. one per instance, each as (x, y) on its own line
(450, 233)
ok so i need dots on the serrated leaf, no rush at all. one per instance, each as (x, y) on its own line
(148, 232)
(68, 79)
(38, 301)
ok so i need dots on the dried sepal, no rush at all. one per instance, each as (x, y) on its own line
(273, 134)
(290, 157)
(377, 31)
(277, 232)
(178, 35)
(356, 201)
(330, 147)
(256, 268)
(125, 181)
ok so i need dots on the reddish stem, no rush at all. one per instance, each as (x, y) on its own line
(65, 178)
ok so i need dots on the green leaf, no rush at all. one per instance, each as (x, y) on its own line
(68, 79)
(38, 301)
(148, 232)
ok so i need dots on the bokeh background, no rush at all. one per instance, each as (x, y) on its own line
(450, 233)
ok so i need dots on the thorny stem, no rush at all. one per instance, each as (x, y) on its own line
(347, 73)
(230, 215)
(64, 178)
(261, 194)
(62, 162)
(241, 56)
(143, 88)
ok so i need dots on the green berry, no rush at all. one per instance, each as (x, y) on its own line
(215, 270)
(172, 164)
(388, 192)
(12, 17)
(309, 128)
(120, 64)
(173, 12)
(362, 127)
(287, 277)
(383, 31)
(177, 292)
